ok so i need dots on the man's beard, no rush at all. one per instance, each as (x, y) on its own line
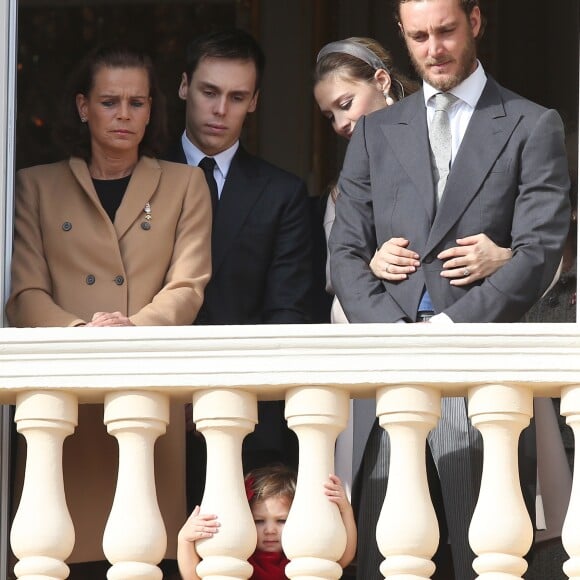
(447, 82)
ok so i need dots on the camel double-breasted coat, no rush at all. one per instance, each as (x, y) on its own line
(152, 264)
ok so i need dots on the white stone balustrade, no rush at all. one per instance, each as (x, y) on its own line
(225, 417)
(134, 540)
(225, 370)
(570, 408)
(501, 532)
(314, 537)
(42, 534)
(408, 413)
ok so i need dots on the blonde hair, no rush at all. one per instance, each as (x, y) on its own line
(271, 481)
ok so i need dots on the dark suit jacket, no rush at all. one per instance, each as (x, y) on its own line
(509, 180)
(261, 263)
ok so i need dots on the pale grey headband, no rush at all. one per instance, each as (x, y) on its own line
(355, 49)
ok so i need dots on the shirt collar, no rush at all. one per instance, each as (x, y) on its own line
(467, 91)
(194, 155)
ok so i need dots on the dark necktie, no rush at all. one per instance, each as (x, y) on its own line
(440, 140)
(208, 164)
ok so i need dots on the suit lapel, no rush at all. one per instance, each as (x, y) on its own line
(80, 170)
(242, 188)
(142, 186)
(489, 129)
(411, 147)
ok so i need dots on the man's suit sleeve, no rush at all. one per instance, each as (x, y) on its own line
(289, 275)
(352, 241)
(539, 228)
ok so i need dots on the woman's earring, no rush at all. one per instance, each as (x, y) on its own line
(388, 99)
(83, 119)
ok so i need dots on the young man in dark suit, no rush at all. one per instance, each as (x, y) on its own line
(261, 260)
(460, 157)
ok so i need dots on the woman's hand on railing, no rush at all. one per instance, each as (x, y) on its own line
(109, 319)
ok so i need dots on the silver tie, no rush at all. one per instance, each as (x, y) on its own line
(440, 140)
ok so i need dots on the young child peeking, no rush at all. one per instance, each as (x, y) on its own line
(270, 491)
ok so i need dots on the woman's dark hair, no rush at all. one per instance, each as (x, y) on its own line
(351, 67)
(74, 137)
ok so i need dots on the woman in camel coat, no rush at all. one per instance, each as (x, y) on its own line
(111, 237)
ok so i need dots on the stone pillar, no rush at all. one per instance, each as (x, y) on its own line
(42, 534)
(225, 417)
(314, 537)
(408, 543)
(570, 408)
(135, 540)
(501, 532)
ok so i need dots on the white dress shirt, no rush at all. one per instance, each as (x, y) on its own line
(468, 93)
(223, 160)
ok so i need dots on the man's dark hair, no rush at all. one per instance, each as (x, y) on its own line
(231, 44)
(74, 137)
(466, 5)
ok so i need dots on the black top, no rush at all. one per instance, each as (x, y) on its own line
(111, 192)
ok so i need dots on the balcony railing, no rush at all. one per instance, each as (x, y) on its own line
(137, 372)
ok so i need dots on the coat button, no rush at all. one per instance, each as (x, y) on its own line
(119, 280)
(428, 259)
(145, 226)
(67, 226)
(90, 279)
(553, 301)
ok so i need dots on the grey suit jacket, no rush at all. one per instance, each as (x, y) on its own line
(509, 180)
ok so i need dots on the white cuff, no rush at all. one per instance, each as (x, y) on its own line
(441, 318)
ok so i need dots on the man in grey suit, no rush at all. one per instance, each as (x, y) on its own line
(487, 161)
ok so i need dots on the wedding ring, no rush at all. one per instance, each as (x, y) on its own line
(387, 268)
(466, 272)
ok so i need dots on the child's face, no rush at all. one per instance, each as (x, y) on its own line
(270, 516)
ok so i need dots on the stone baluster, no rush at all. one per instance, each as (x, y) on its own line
(501, 532)
(42, 534)
(314, 537)
(135, 539)
(570, 408)
(408, 413)
(225, 417)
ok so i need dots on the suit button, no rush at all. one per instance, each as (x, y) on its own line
(67, 226)
(428, 259)
(90, 279)
(553, 301)
(145, 226)
(119, 280)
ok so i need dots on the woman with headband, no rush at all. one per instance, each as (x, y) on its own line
(355, 77)
(352, 78)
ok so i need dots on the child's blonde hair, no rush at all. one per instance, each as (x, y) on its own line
(271, 481)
